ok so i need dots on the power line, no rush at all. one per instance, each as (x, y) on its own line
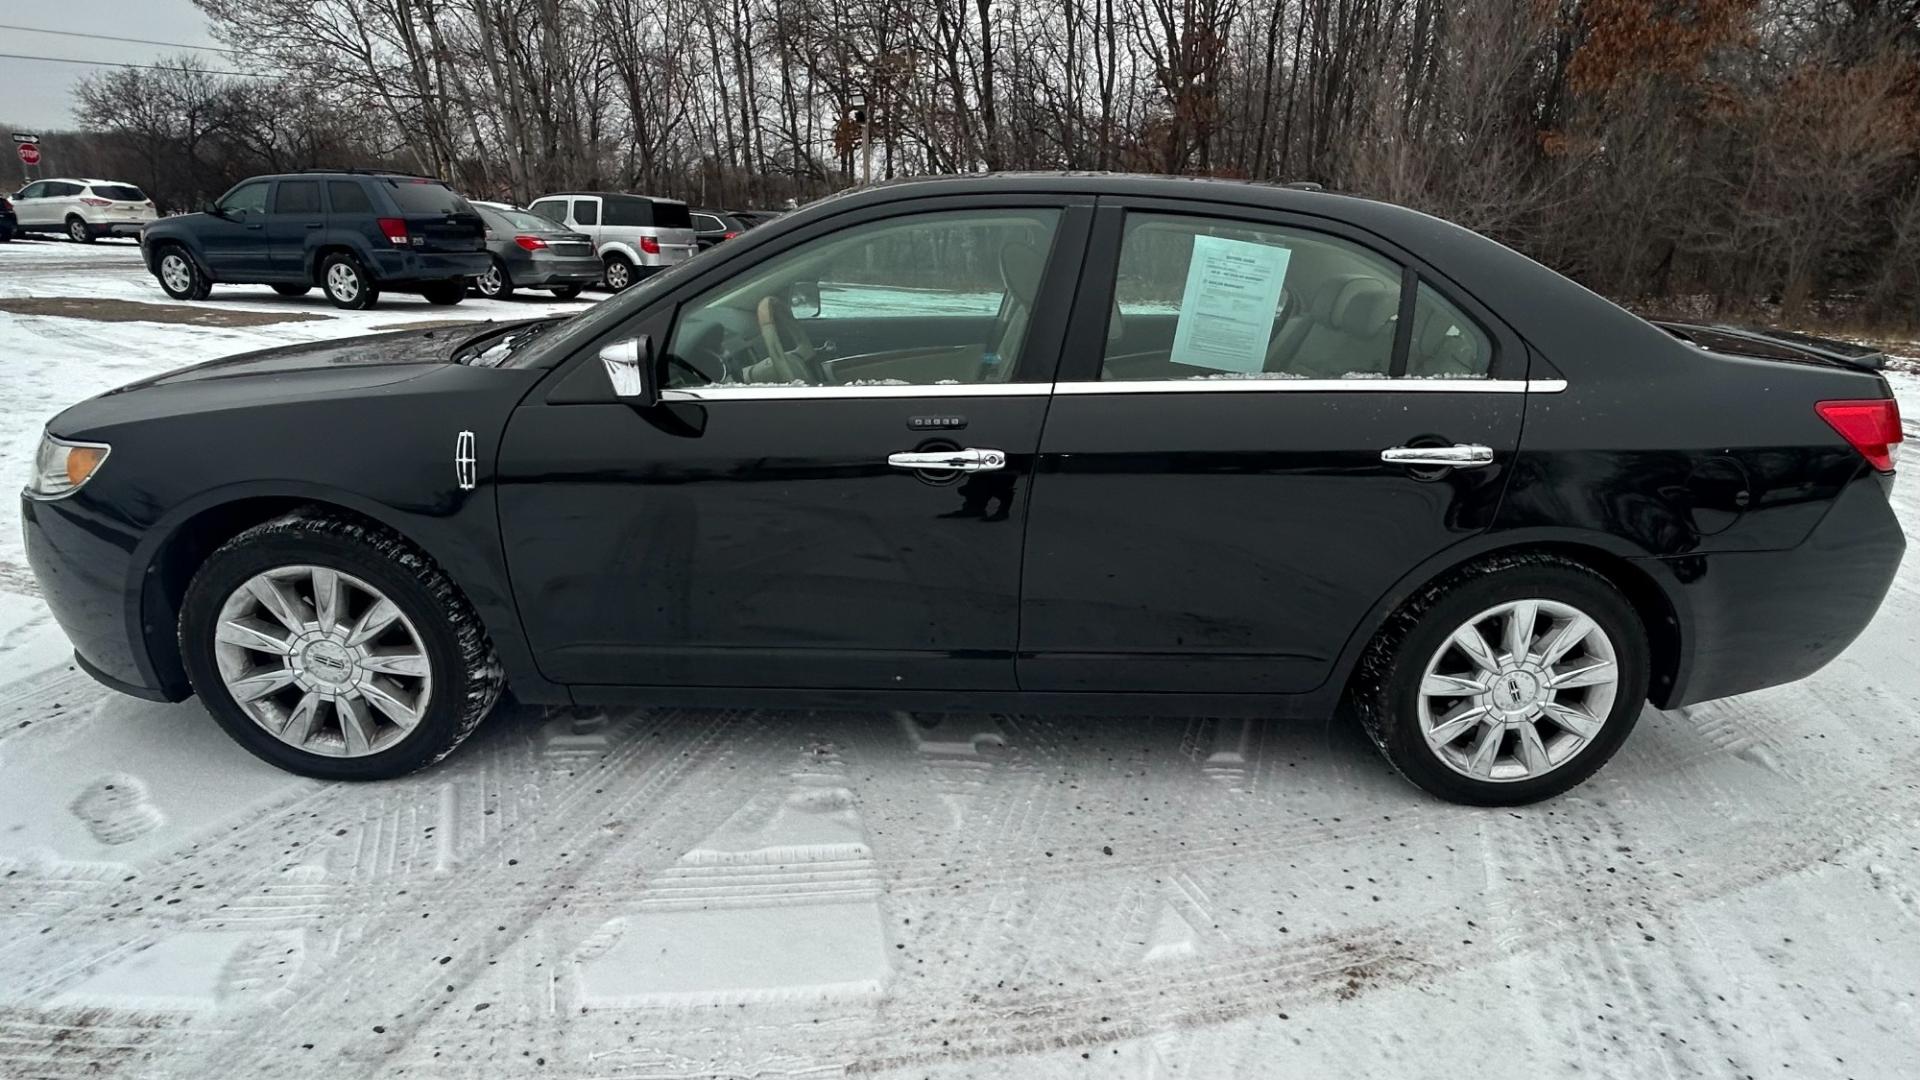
(117, 64)
(110, 37)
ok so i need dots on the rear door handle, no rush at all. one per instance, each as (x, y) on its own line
(313, 224)
(967, 460)
(1457, 456)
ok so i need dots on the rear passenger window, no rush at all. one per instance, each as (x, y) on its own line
(586, 212)
(348, 197)
(297, 197)
(1212, 298)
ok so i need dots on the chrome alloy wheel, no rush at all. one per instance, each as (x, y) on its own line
(489, 282)
(342, 283)
(618, 276)
(175, 273)
(322, 661)
(1518, 691)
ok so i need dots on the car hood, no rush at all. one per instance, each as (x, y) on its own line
(401, 347)
(321, 369)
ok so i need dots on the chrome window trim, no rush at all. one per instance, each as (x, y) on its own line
(1297, 386)
(815, 393)
(1142, 386)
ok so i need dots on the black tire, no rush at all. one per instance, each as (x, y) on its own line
(6, 236)
(497, 284)
(79, 231)
(568, 292)
(466, 675)
(618, 274)
(1386, 685)
(445, 293)
(347, 283)
(293, 290)
(169, 262)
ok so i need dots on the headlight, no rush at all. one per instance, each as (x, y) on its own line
(60, 467)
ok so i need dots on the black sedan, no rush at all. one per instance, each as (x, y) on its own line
(1070, 442)
(531, 252)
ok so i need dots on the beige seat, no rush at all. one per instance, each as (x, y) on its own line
(1021, 267)
(1348, 328)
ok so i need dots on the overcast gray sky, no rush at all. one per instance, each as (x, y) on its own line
(38, 94)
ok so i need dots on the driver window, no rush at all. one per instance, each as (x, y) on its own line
(921, 300)
(251, 198)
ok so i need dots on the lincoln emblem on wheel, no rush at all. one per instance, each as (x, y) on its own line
(1073, 442)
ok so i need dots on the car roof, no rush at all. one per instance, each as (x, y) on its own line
(606, 195)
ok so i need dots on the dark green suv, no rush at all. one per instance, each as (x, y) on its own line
(354, 234)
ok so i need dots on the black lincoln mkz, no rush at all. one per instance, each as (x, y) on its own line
(1104, 443)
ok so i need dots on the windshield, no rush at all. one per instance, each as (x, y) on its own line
(517, 219)
(576, 330)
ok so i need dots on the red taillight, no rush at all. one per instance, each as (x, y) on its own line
(1871, 427)
(731, 235)
(650, 245)
(395, 230)
(91, 201)
(531, 243)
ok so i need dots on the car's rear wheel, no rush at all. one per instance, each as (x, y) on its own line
(347, 283)
(333, 648)
(618, 273)
(180, 276)
(496, 283)
(293, 290)
(445, 293)
(1508, 682)
(568, 292)
(79, 231)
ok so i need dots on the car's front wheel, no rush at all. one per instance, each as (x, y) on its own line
(1511, 681)
(445, 293)
(180, 276)
(347, 283)
(618, 273)
(333, 648)
(496, 283)
(79, 231)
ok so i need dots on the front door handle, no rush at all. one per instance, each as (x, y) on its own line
(1458, 456)
(967, 460)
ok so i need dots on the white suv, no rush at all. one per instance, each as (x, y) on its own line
(83, 209)
(636, 236)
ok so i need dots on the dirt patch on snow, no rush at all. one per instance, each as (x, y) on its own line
(79, 307)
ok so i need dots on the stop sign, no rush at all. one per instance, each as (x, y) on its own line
(30, 153)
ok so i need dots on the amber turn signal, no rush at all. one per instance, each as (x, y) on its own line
(81, 461)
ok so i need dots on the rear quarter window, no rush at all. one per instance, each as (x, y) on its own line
(425, 197)
(629, 212)
(348, 197)
(671, 215)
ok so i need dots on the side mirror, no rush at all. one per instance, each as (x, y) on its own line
(804, 300)
(212, 209)
(629, 367)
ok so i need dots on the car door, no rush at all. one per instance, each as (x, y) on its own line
(30, 204)
(1249, 446)
(784, 517)
(294, 224)
(235, 240)
(584, 216)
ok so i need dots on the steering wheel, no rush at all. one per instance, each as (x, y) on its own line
(778, 326)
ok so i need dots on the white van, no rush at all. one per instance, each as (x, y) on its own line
(636, 236)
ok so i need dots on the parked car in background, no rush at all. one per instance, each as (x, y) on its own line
(533, 252)
(83, 210)
(9, 224)
(354, 234)
(1059, 442)
(712, 226)
(636, 236)
(757, 217)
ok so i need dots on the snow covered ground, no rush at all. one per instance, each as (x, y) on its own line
(765, 894)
